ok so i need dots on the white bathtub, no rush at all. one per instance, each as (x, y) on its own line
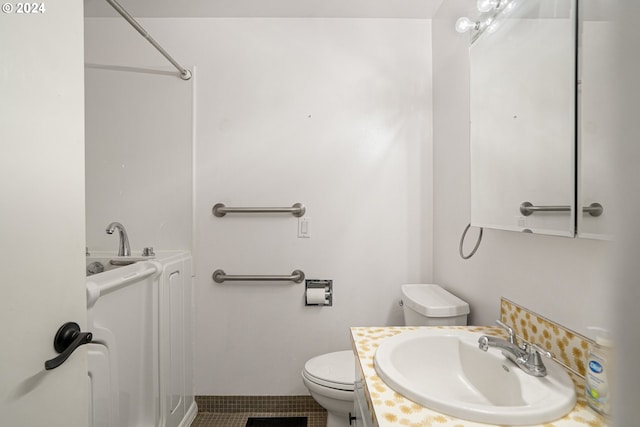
(140, 359)
(99, 263)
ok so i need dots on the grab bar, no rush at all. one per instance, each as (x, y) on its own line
(526, 209)
(220, 210)
(94, 290)
(219, 276)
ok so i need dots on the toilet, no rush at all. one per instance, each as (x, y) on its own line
(330, 377)
(430, 305)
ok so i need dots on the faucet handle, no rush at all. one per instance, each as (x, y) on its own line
(533, 361)
(148, 251)
(512, 336)
(535, 348)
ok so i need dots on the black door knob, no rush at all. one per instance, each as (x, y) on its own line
(67, 339)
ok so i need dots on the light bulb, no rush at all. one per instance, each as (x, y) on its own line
(464, 24)
(487, 5)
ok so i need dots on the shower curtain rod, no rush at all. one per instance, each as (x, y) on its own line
(184, 73)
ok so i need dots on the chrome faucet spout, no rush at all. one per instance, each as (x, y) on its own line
(123, 244)
(513, 351)
(526, 356)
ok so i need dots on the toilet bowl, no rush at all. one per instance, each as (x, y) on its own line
(330, 377)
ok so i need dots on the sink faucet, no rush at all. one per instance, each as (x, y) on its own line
(123, 244)
(526, 356)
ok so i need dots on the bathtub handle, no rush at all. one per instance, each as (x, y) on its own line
(67, 339)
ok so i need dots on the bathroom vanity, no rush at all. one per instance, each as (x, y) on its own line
(377, 404)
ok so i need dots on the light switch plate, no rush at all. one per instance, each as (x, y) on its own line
(303, 227)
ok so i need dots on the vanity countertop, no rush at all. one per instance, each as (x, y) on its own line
(389, 408)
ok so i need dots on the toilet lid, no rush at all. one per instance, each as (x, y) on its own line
(335, 370)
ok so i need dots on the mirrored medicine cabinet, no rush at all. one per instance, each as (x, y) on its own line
(539, 110)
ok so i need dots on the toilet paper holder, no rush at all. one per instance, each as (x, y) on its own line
(314, 288)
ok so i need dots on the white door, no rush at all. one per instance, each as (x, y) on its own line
(41, 211)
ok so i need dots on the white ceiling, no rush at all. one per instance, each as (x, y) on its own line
(268, 8)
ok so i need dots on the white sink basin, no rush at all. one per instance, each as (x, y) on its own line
(446, 371)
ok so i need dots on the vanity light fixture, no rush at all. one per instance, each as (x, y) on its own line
(487, 5)
(465, 24)
(491, 11)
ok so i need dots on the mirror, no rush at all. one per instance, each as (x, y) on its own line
(596, 130)
(523, 103)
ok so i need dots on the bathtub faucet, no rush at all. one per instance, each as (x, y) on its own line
(123, 245)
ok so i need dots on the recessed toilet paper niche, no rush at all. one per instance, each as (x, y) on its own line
(318, 292)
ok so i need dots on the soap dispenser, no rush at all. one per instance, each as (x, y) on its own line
(599, 372)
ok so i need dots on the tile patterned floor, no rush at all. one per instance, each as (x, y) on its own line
(239, 419)
(233, 411)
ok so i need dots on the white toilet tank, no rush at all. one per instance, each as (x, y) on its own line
(430, 305)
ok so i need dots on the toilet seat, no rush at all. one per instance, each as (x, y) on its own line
(334, 370)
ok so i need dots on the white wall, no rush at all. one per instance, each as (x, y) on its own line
(332, 113)
(139, 171)
(565, 279)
